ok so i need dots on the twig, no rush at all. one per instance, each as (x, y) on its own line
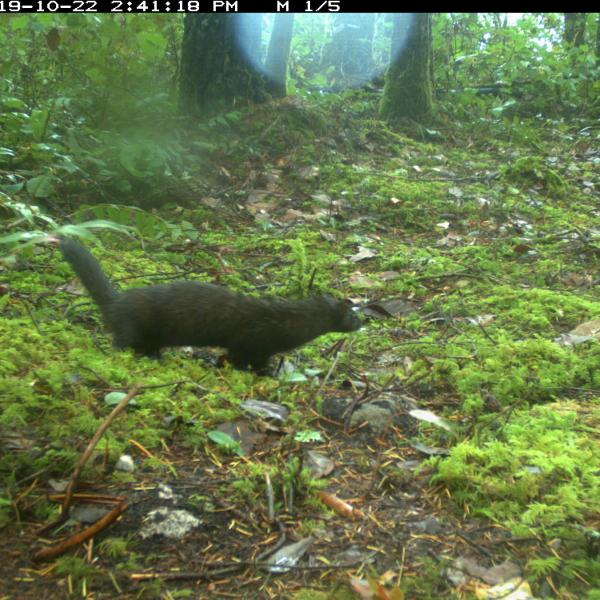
(83, 535)
(481, 549)
(90, 447)
(280, 543)
(331, 369)
(376, 466)
(35, 324)
(270, 497)
(228, 567)
(352, 406)
(84, 458)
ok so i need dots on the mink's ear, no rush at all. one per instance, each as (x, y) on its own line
(351, 304)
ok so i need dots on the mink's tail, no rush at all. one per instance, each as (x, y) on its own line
(89, 271)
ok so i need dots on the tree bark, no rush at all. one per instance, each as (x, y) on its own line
(574, 34)
(278, 54)
(408, 85)
(215, 75)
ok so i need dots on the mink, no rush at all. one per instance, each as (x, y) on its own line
(188, 313)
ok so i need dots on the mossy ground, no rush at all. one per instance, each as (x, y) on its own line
(497, 250)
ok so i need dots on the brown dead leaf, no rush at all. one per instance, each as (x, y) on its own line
(210, 202)
(521, 248)
(291, 215)
(389, 275)
(256, 196)
(330, 237)
(449, 241)
(309, 172)
(363, 281)
(588, 328)
(389, 308)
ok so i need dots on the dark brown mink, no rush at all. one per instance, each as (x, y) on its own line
(188, 313)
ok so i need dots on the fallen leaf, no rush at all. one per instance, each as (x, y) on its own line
(429, 417)
(429, 450)
(289, 555)
(330, 237)
(210, 202)
(291, 214)
(309, 172)
(449, 241)
(360, 280)
(521, 248)
(318, 464)
(514, 589)
(266, 410)
(591, 328)
(363, 253)
(389, 275)
(389, 308)
(322, 198)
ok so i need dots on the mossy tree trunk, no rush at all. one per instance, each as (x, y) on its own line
(598, 40)
(215, 76)
(278, 55)
(349, 54)
(408, 84)
(574, 33)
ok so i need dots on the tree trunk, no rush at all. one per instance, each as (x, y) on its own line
(215, 76)
(349, 54)
(279, 53)
(407, 91)
(598, 41)
(574, 34)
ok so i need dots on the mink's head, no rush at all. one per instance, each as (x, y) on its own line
(343, 317)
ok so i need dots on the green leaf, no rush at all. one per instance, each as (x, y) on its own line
(308, 436)
(21, 236)
(225, 441)
(41, 186)
(152, 44)
(95, 75)
(295, 377)
(14, 104)
(19, 22)
(83, 229)
(38, 122)
(113, 398)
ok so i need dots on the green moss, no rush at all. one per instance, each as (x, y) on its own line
(531, 170)
(539, 473)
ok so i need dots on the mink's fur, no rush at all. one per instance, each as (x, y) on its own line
(188, 313)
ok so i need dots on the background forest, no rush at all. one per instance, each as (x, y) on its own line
(440, 171)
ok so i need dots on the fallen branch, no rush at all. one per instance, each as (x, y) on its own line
(84, 458)
(81, 536)
(90, 448)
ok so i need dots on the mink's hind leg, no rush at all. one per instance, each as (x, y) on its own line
(148, 352)
(257, 363)
(125, 338)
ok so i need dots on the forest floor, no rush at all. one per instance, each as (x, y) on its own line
(459, 426)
